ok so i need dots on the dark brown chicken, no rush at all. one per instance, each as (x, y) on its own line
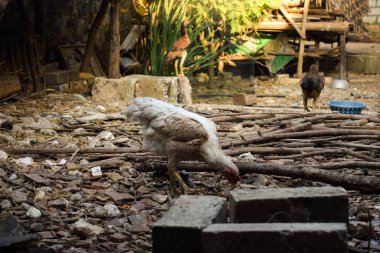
(179, 49)
(312, 84)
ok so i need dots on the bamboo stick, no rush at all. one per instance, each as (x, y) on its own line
(328, 27)
(302, 39)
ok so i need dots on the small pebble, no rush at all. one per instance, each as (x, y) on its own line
(5, 204)
(33, 213)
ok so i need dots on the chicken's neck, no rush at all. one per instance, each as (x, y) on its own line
(216, 159)
(183, 29)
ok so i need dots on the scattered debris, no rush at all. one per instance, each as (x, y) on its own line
(74, 171)
(86, 230)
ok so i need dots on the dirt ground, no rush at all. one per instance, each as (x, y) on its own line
(363, 88)
(58, 179)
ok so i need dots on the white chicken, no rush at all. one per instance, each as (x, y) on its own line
(180, 135)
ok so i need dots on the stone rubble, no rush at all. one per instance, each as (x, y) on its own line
(63, 194)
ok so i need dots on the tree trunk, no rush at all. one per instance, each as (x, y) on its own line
(27, 12)
(85, 65)
(114, 55)
(37, 85)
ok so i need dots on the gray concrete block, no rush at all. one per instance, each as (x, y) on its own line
(275, 238)
(180, 229)
(304, 204)
(60, 77)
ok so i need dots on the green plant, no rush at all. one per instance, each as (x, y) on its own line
(163, 29)
(212, 24)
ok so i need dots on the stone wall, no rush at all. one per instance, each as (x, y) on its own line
(123, 90)
(373, 20)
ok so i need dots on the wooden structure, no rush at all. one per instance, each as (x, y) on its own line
(22, 39)
(316, 20)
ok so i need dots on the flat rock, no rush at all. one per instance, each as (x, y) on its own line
(18, 196)
(86, 230)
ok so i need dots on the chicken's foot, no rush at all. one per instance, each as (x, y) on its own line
(174, 176)
(305, 104)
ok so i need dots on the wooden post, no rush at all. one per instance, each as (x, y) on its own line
(342, 62)
(32, 48)
(85, 65)
(317, 44)
(114, 55)
(302, 41)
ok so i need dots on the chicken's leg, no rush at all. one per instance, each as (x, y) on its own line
(305, 104)
(315, 103)
(175, 176)
(183, 57)
(176, 66)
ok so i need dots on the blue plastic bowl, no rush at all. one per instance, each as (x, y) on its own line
(346, 106)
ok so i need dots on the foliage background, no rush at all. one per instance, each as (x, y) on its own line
(212, 25)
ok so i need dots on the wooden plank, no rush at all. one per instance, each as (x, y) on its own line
(132, 37)
(328, 27)
(292, 22)
(322, 12)
(302, 41)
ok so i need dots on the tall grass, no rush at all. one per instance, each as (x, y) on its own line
(164, 29)
(218, 21)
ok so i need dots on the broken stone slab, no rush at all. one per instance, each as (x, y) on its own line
(245, 99)
(106, 211)
(169, 89)
(5, 204)
(60, 77)
(3, 155)
(18, 197)
(11, 232)
(85, 230)
(61, 203)
(275, 237)
(24, 161)
(33, 213)
(101, 116)
(59, 87)
(180, 229)
(304, 204)
(160, 198)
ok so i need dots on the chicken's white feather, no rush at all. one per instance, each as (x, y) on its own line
(154, 114)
